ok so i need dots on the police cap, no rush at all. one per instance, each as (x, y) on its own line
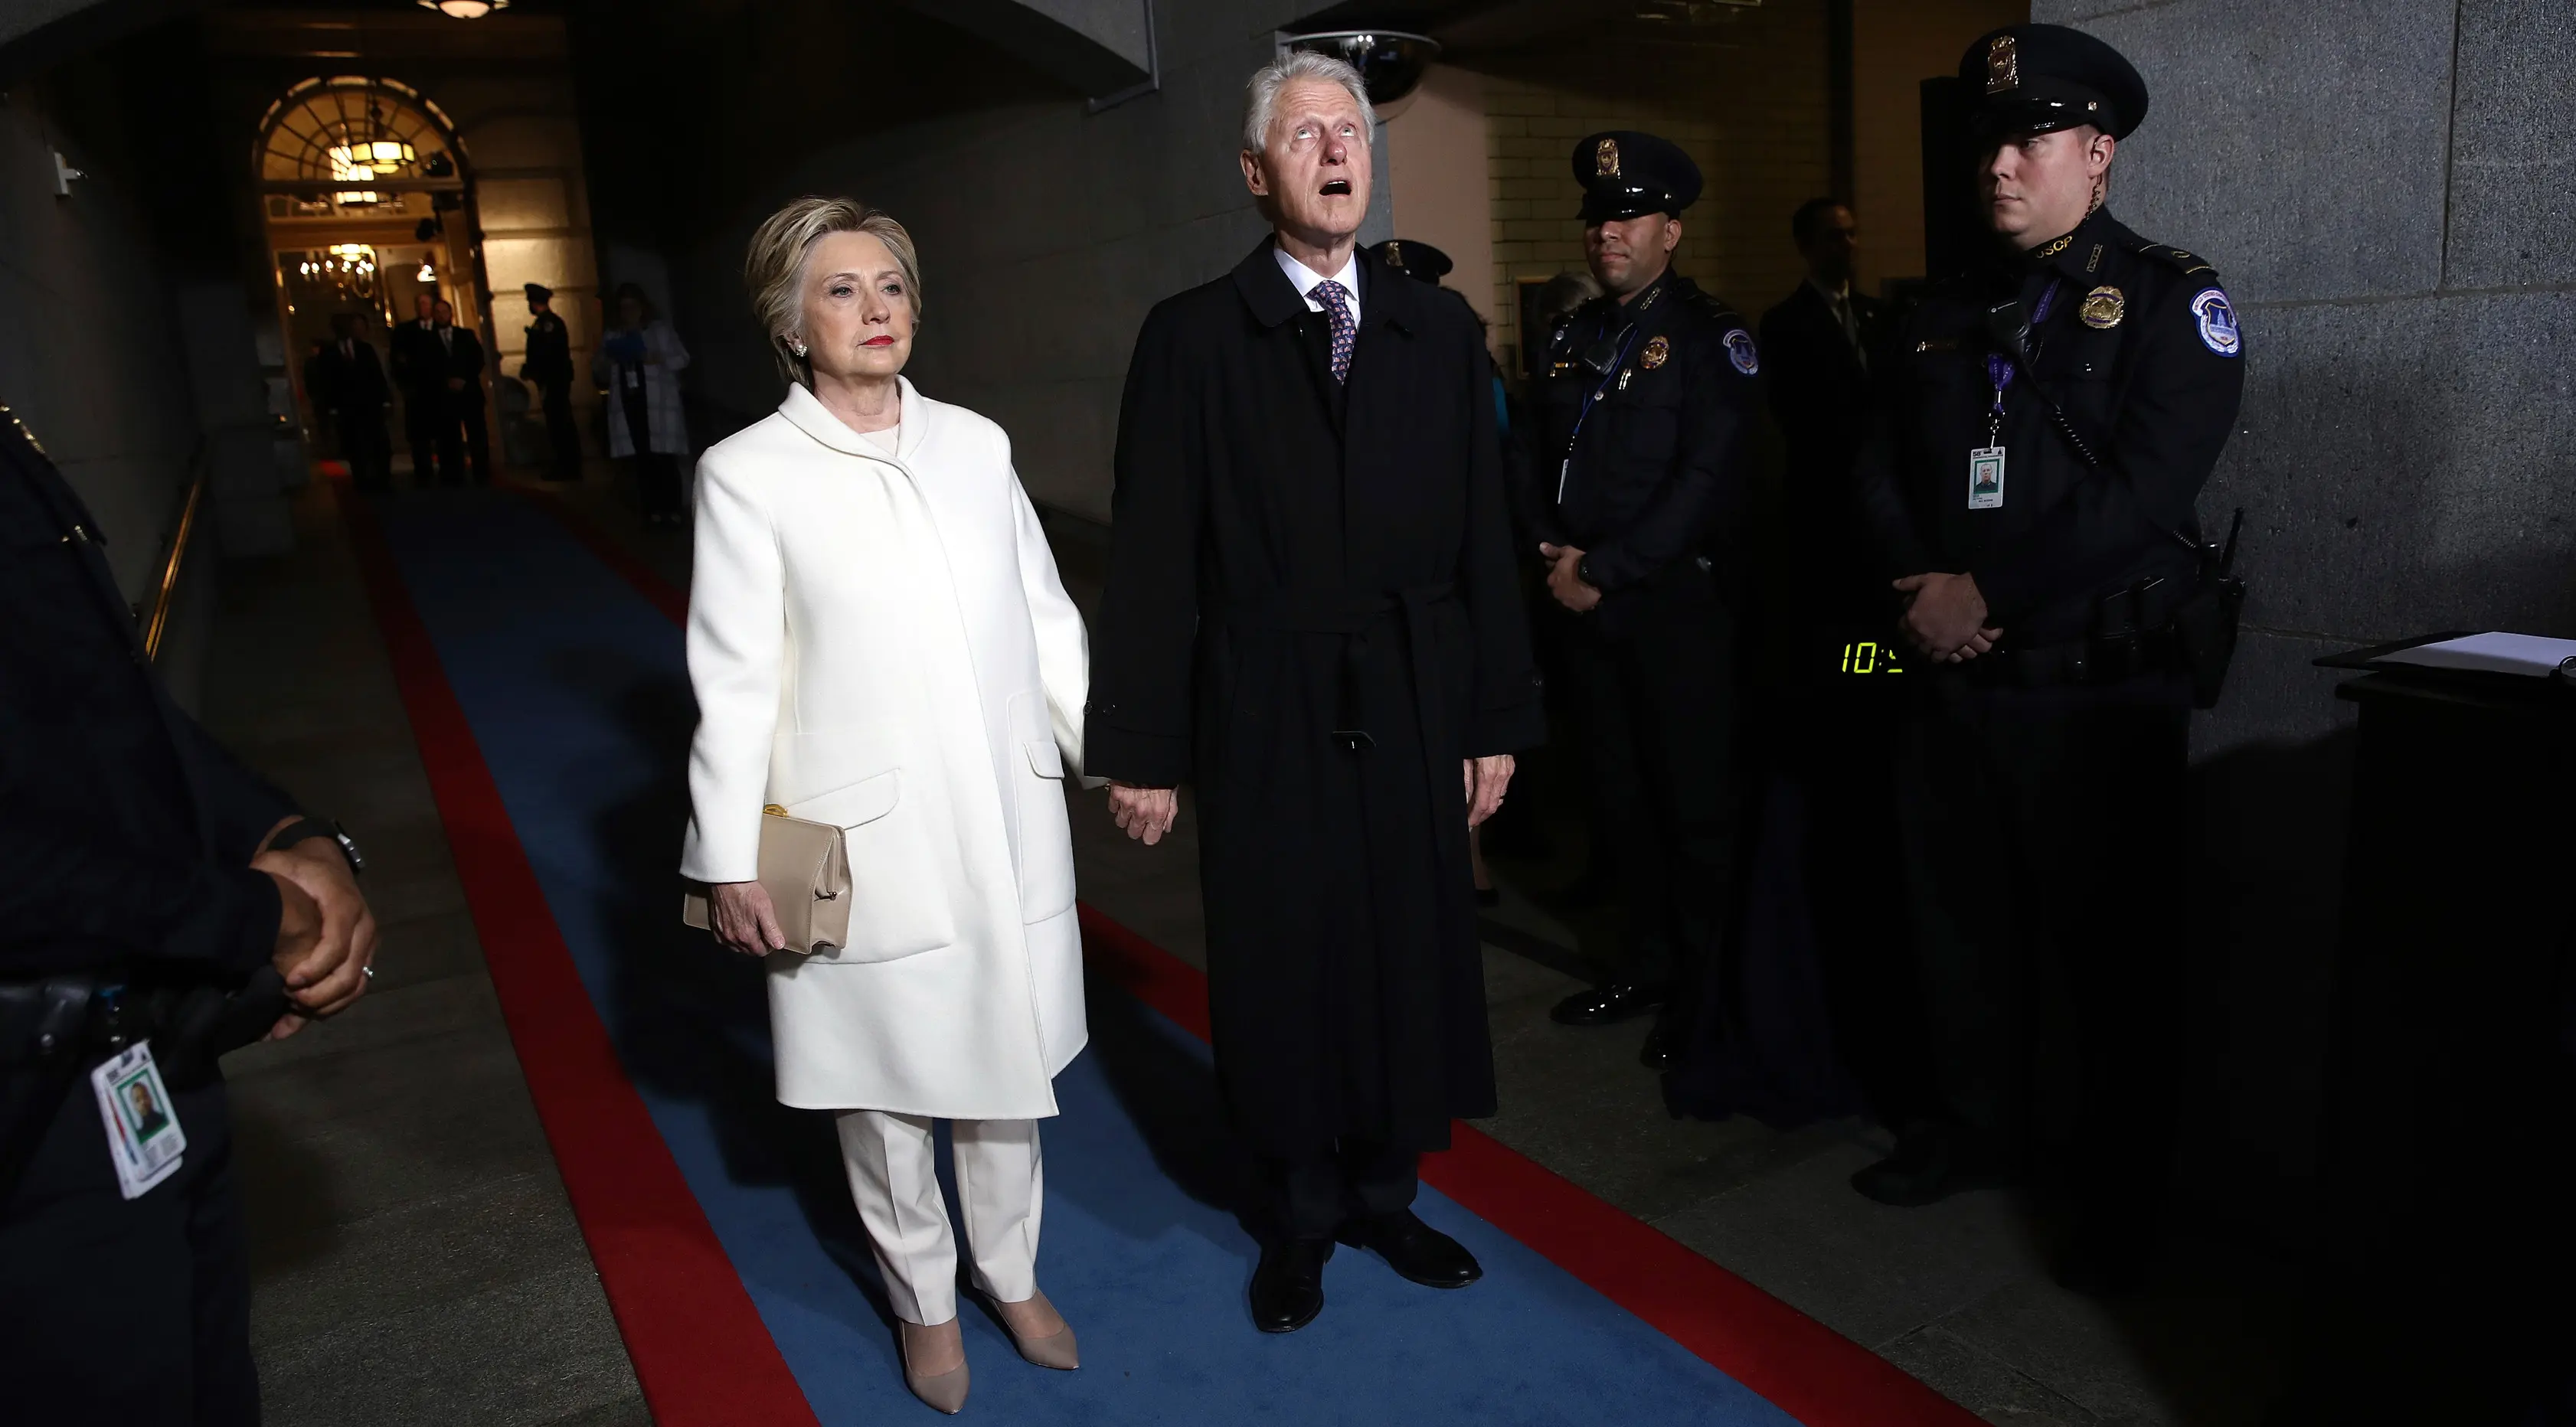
(2026, 79)
(539, 292)
(1414, 259)
(1625, 174)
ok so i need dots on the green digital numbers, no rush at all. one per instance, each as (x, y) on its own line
(1867, 656)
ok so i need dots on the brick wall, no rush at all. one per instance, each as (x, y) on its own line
(1745, 98)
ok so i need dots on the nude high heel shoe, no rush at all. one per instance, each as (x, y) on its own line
(1056, 1350)
(944, 1391)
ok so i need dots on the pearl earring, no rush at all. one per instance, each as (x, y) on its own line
(797, 347)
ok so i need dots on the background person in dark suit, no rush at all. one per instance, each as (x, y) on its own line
(417, 371)
(1829, 720)
(348, 383)
(1820, 346)
(457, 356)
(158, 891)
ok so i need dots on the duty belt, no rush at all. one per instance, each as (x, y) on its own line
(45, 1020)
(75, 1016)
(2089, 661)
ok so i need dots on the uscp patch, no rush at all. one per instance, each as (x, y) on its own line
(1741, 351)
(2218, 330)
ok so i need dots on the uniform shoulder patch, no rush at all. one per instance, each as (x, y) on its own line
(1741, 351)
(2217, 322)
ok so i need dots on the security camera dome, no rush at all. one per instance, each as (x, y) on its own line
(1391, 62)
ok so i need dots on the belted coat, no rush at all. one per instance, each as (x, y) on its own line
(1311, 617)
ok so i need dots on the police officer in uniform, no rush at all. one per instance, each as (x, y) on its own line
(163, 904)
(1414, 258)
(2029, 484)
(1638, 482)
(549, 365)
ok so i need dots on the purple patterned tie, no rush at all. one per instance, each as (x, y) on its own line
(1337, 310)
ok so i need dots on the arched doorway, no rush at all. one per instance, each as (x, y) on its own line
(369, 203)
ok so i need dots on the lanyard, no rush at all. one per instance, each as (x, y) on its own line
(1999, 368)
(1592, 398)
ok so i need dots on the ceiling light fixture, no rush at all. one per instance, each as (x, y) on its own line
(465, 9)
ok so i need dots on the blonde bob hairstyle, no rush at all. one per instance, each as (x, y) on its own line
(774, 269)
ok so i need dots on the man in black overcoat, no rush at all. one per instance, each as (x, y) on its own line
(349, 383)
(1311, 617)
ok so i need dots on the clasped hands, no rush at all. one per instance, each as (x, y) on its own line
(1945, 616)
(1146, 814)
(1565, 578)
(326, 935)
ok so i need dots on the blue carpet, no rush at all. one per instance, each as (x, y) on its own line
(579, 701)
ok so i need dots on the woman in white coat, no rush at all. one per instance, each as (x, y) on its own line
(878, 640)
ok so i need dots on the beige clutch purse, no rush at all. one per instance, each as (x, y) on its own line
(805, 868)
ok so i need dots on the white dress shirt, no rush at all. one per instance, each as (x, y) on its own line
(1305, 278)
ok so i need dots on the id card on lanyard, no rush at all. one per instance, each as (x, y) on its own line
(143, 1134)
(1986, 463)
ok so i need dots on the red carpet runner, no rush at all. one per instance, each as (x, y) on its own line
(699, 1347)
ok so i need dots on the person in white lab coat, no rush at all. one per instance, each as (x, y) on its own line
(878, 639)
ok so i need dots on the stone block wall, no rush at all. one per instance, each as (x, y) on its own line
(2386, 187)
(94, 354)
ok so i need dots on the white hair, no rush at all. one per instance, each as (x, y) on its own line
(1261, 92)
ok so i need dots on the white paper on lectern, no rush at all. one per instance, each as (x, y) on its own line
(2491, 653)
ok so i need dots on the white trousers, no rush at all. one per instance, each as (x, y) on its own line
(894, 1180)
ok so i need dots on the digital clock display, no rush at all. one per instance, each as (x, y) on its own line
(1863, 656)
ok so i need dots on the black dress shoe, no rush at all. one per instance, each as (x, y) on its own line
(1926, 1169)
(1414, 1249)
(1288, 1284)
(1607, 1005)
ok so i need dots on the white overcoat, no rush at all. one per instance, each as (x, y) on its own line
(883, 643)
(666, 422)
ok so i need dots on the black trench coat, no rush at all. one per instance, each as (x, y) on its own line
(1311, 617)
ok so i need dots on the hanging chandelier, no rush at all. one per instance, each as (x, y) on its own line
(361, 160)
(350, 268)
(465, 9)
